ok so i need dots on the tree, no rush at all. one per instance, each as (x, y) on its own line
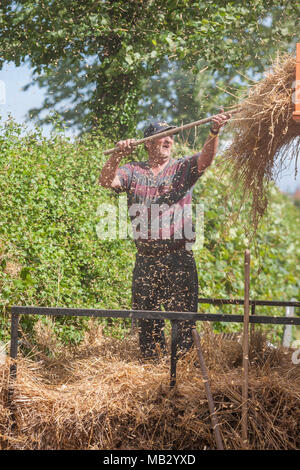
(180, 96)
(100, 54)
(51, 252)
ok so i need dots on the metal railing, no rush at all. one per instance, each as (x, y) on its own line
(174, 317)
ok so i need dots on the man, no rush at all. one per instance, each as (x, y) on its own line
(158, 192)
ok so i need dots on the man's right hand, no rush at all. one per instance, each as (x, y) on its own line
(125, 147)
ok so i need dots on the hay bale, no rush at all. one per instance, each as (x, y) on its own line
(266, 138)
(103, 397)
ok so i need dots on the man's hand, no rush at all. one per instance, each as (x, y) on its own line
(219, 121)
(125, 147)
(108, 177)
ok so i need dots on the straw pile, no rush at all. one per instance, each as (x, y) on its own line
(266, 138)
(101, 396)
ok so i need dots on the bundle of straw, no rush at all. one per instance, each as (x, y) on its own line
(100, 396)
(266, 138)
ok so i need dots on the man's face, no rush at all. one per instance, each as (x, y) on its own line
(161, 147)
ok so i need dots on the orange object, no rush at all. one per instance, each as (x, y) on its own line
(296, 113)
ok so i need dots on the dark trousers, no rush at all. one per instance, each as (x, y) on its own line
(170, 280)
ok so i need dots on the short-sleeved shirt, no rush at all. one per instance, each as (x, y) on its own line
(160, 206)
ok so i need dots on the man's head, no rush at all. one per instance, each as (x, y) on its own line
(157, 127)
(161, 147)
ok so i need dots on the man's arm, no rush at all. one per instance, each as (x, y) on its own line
(108, 177)
(209, 150)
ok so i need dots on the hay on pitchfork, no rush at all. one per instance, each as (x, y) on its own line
(266, 138)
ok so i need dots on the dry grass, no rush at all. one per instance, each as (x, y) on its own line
(101, 396)
(266, 138)
(12, 267)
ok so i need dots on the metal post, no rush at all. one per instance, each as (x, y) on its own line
(211, 405)
(134, 326)
(246, 349)
(13, 355)
(173, 352)
(252, 327)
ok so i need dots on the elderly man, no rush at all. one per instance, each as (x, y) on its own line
(158, 190)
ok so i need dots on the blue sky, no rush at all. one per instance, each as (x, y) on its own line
(16, 102)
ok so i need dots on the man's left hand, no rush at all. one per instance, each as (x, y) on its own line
(219, 121)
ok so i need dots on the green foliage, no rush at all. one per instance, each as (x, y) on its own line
(100, 56)
(275, 248)
(297, 203)
(49, 200)
(50, 254)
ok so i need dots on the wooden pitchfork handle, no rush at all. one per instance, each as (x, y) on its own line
(172, 131)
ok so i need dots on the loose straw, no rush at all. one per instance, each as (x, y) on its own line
(246, 350)
(211, 405)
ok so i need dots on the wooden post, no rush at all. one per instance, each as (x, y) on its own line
(213, 417)
(296, 113)
(246, 349)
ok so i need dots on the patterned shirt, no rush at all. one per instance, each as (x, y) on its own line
(160, 206)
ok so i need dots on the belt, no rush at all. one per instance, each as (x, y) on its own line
(155, 250)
